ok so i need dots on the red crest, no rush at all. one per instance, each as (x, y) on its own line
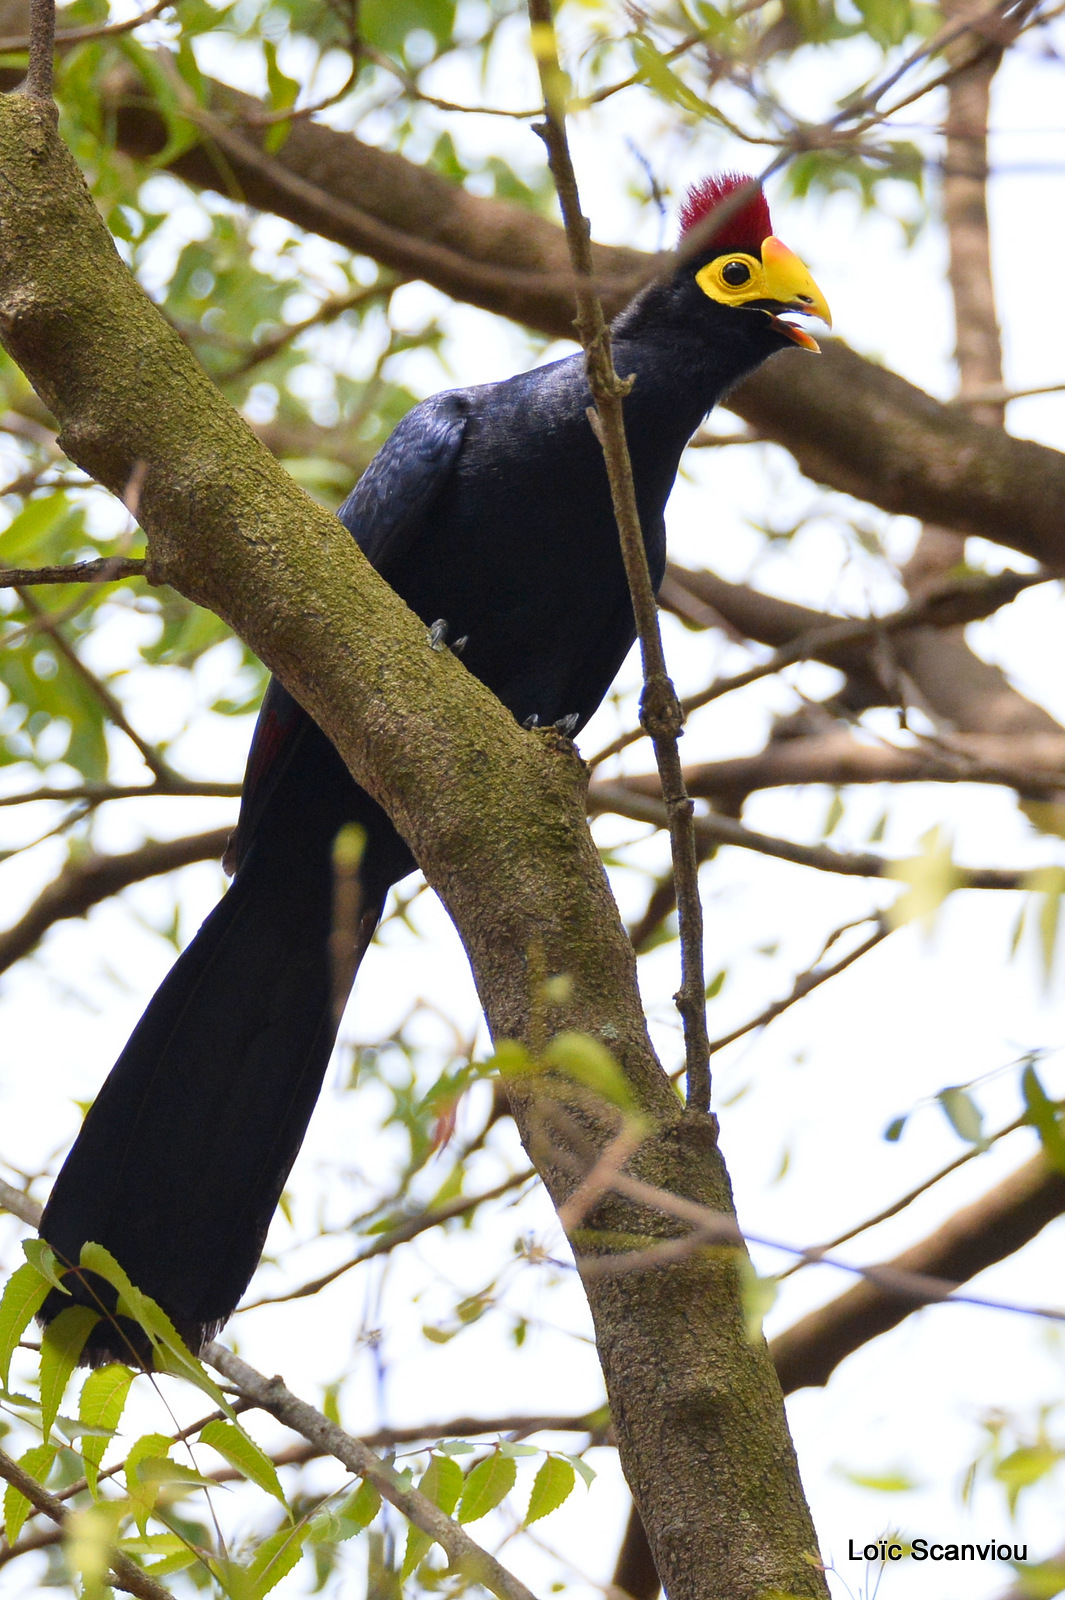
(743, 225)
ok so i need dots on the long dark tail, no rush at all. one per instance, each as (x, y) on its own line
(183, 1157)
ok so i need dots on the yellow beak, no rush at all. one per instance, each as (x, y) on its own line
(785, 278)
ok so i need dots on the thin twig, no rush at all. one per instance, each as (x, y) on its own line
(621, 801)
(105, 569)
(1023, 1121)
(155, 763)
(660, 710)
(719, 1228)
(272, 1395)
(72, 36)
(400, 1234)
(805, 984)
(948, 606)
(328, 311)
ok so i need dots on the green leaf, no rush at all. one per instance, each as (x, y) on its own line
(143, 1491)
(489, 1482)
(931, 877)
(757, 1294)
(1043, 1581)
(242, 1452)
(893, 1131)
(36, 1463)
(1049, 883)
(887, 21)
(552, 1485)
(171, 1352)
(89, 1539)
(590, 1063)
(833, 816)
(716, 984)
(1025, 1466)
(656, 72)
(103, 1399)
(276, 1557)
(897, 1482)
(173, 1552)
(363, 1505)
(43, 1258)
(24, 1295)
(64, 1339)
(1044, 1116)
(964, 1115)
(441, 1482)
(586, 1472)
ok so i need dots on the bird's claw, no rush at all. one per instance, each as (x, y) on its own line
(438, 638)
(565, 725)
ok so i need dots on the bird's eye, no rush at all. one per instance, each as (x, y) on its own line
(735, 273)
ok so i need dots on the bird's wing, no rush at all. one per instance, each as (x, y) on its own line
(386, 512)
(387, 508)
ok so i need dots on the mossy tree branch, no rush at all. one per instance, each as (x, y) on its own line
(494, 815)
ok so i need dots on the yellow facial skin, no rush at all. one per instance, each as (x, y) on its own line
(779, 276)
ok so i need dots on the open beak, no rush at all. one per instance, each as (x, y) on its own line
(789, 282)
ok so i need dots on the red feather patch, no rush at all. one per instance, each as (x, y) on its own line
(743, 226)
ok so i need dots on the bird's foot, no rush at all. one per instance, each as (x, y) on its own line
(438, 639)
(565, 725)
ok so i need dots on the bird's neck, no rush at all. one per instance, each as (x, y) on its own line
(682, 368)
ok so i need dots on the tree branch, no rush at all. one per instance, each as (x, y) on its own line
(621, 800)
(271, 1395)
(125, 1574)
(989, 1230)
(84, 883)
(105, 569)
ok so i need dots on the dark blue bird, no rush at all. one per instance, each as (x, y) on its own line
(488, 511)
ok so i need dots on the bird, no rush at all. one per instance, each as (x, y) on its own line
(488, 511)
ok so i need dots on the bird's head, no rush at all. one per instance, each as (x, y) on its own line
(736, 261)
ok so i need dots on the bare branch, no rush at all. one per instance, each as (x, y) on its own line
(67, 37)
(947, 605)
(618, 798)
(106, 569)
(100, 793)
(84, 883)
(461, 1206)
